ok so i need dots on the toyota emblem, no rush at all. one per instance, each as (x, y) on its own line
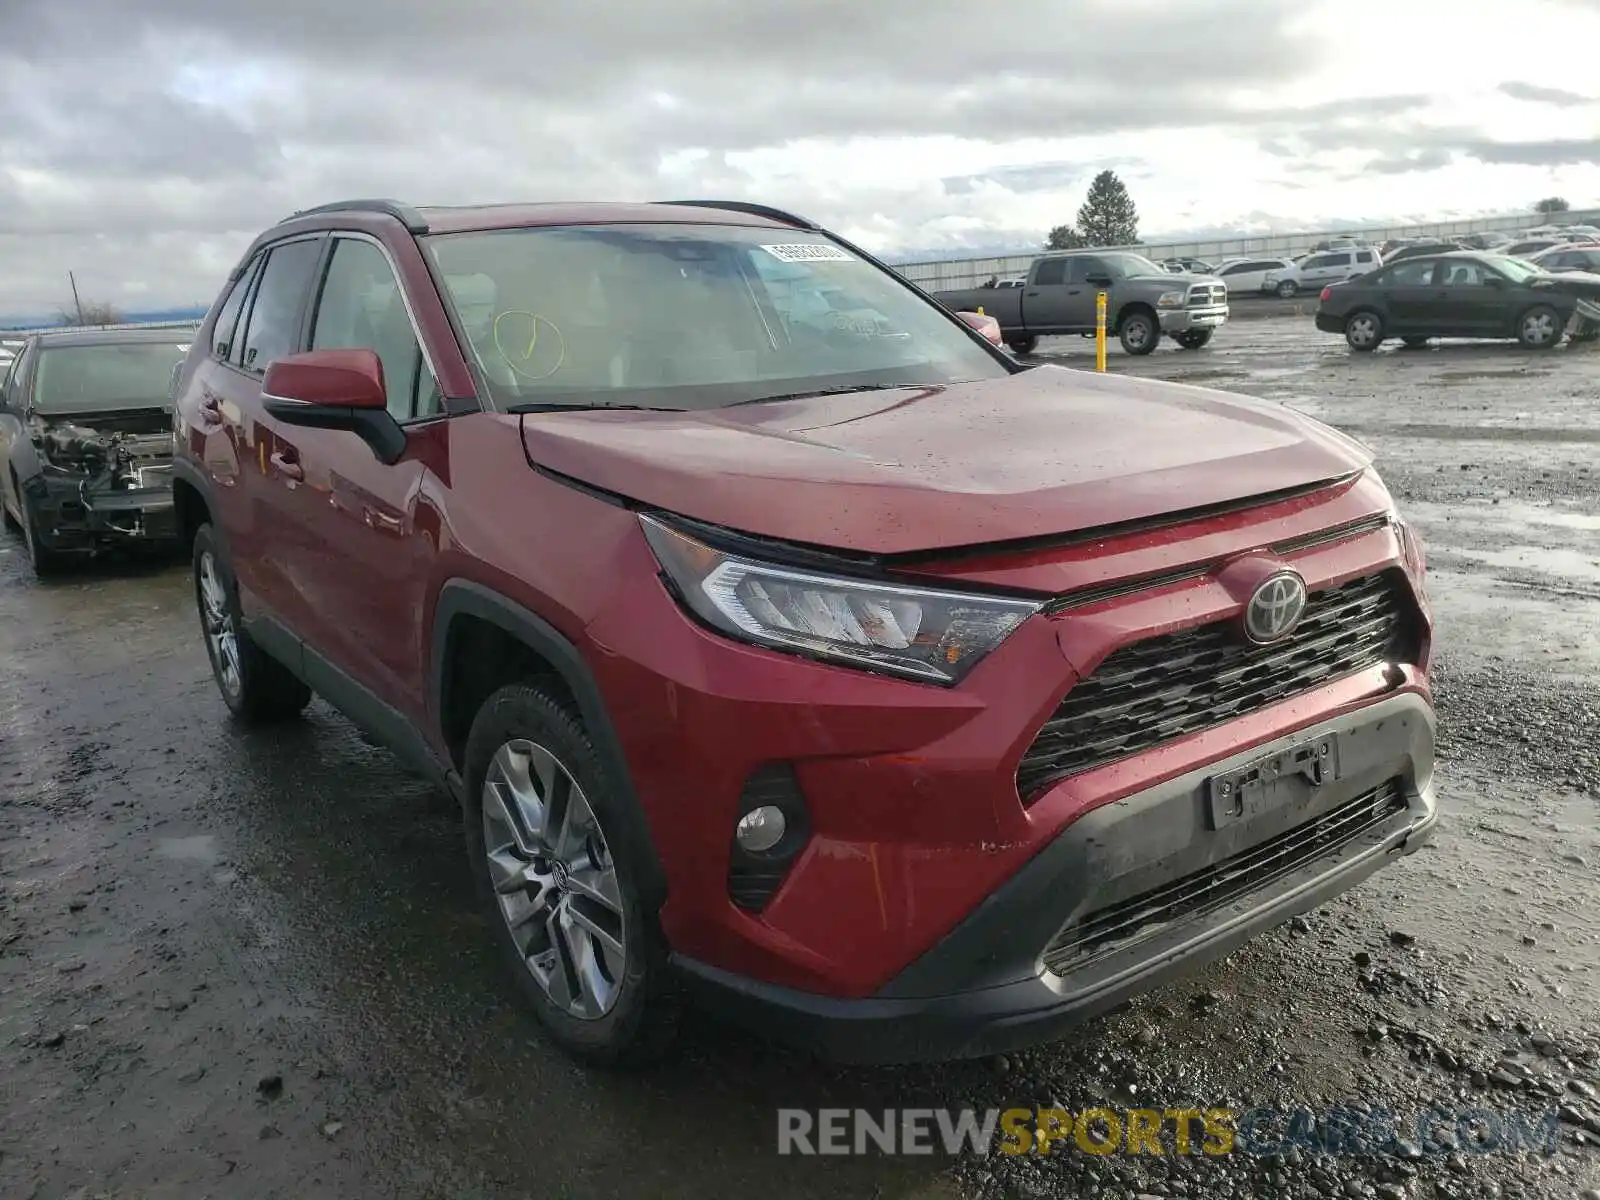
(1275, 608)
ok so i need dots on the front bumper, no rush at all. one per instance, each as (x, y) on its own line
(69, 516)
(1185, 320)
(986, 987)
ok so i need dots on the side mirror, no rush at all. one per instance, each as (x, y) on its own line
(985, 325)
(1099, 279)
(335, 389)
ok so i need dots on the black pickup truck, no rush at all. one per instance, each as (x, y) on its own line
(1143, 301)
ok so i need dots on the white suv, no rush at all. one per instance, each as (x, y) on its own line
(1332, 266)
(1248, 276)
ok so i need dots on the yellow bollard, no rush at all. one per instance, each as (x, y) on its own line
(980, 310)
(1100, 331)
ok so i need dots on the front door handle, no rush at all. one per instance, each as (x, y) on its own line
(286, 466)
(383, 520)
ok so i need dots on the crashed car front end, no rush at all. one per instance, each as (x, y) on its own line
(105, 480)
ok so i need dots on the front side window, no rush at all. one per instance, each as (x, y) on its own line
(360, 306)
(106, 377)
(1461, 274)
(689, 317)
(272, 328)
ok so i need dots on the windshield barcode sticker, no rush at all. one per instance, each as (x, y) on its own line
(807, 252)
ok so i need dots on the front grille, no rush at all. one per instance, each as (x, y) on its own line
(1181, 683)
(1114, 927)
(1203, 294)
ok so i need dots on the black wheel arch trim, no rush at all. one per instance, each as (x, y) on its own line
(462, 597)
(185, 470)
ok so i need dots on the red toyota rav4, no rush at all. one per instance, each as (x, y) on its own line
(789, 647)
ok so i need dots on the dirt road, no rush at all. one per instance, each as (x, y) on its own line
(249, 965)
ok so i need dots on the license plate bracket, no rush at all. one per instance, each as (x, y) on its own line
(1245, 791)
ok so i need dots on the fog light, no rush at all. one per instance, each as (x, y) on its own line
(760, 829)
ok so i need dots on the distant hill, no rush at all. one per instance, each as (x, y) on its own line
(50, 321)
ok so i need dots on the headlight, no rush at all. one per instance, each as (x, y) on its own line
(1172, 299)
(924, 634)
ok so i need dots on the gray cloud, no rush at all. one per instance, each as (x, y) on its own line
(145, 156)
(1534, 94)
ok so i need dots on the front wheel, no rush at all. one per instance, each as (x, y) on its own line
(255, 686)
(1193, 339)
(1539, 328)
(1023, 345)
(47, 563)
(1139, 334)
(1364, 331)
(560, 860)
(1288, 288)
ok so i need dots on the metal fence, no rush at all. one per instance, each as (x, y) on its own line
(950, 274)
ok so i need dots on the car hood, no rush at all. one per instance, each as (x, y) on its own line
(1575, 283)
(1184, 277)
(1045, 451)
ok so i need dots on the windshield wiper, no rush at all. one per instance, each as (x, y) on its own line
(548, 406)
(832, 391)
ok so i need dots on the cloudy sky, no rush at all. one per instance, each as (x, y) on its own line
(143, 142)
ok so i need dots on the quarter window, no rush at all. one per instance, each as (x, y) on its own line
(273, 327)
(360, 306)
(222, 332)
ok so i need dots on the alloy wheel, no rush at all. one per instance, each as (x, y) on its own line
(221, 637)
(554, 879)
(1138, 333)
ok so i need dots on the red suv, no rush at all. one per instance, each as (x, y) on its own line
(789, 647)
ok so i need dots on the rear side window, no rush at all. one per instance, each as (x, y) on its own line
(1365, 256)
(1051, 270)
(273, 327)
(1414, 272)
(360, 306)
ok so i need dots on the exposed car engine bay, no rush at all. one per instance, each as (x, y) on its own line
(112, 455)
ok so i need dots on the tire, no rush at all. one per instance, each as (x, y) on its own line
(526, 745)
(11, 522)
(1363, 330)
(1139, 332)
(1414, 343)
(47, 564)
(1023, 345)
(1193, 339)
(1288, 289)
(256, 687)
(1540, 328)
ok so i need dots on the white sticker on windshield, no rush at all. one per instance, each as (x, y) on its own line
(808, 252)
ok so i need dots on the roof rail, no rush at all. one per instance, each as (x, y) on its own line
(404, 213)
(754, 210)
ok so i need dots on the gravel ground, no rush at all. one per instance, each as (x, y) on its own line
(240, 965)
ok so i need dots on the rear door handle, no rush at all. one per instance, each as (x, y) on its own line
(285, 465)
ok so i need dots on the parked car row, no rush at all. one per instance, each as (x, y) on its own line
(603, 517)
(1463, 293)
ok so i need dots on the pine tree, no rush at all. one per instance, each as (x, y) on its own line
(1108, 217)
(1064, 237)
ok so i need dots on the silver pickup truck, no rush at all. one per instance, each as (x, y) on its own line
(1143, 301)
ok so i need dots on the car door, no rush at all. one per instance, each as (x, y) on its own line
(1410, 298)
(1087, 276)
(365, 563)
(1325, 268)
(1473, 301)
(1045, 303)
(256, 456)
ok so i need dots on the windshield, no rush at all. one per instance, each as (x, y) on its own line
(1515, 269)
(689, 317)
(107, 377)
(1133, 264)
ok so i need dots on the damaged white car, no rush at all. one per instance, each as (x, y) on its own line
(86, 442)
